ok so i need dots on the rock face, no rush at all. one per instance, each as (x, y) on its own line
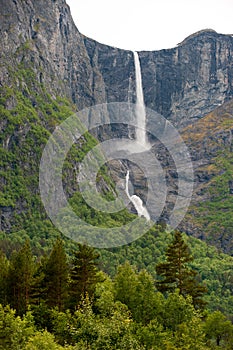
(183, 84)
(42, 34)
(187, 82)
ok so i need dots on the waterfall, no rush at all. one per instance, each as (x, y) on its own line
(137, 202)
(141, 138)
(140, 110)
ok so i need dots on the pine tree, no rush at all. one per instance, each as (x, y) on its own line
(84, 274)
(20, 278)
(176, 274)
(56, 272)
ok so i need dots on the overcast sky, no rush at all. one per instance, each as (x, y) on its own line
(149, 24)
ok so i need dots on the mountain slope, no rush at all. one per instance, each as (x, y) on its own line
(210, 144)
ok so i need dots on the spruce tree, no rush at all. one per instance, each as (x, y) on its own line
(176, 273)
(84, 274)
(19, 280)
(4, 264)
(54, 285)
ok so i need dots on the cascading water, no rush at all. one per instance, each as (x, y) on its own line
(140, 113)
(140, 110)
(137, 202)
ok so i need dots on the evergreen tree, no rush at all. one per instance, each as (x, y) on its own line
(84, 274)
(4, 265)
(176, 274)
(38, 287)
(54, 285)
(20, 278)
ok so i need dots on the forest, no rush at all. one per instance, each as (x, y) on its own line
(67, 301)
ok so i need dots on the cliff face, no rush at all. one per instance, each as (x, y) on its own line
(183, 84)
(187, 82)
(42, 34)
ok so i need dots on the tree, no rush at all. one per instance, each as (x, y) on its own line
(137, 291)
(190, 335)
(176, 274)
(4, 265)
(14, 330)
(177, 310)
(20, 278)
(55, 281)
(218, 327)
(43, 341)
(125, 285)
(84, 274)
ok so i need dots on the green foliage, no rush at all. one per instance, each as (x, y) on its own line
(4, 266)
(190, 335)
(29, 117)
(124, 313)
(137, 291)
(42, 341)
(177, 275)
(14, 331)
(19, 279)
(84, 274)
(219, 329)
(215, 269)
(177, 310)
(212, 215)
(56, 277)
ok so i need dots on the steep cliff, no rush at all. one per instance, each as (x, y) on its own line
(44, 57)
(182, 84)
(189, 81)
(41, 34)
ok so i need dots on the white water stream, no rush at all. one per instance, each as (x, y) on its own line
(137, 202)
(140, 110)
(140, 135)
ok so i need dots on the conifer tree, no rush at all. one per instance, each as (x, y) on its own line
(56, 272)
(84, 274)
(4, 264)
(20, 278)
(176, 274)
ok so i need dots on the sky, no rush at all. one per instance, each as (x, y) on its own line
(149, 24)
